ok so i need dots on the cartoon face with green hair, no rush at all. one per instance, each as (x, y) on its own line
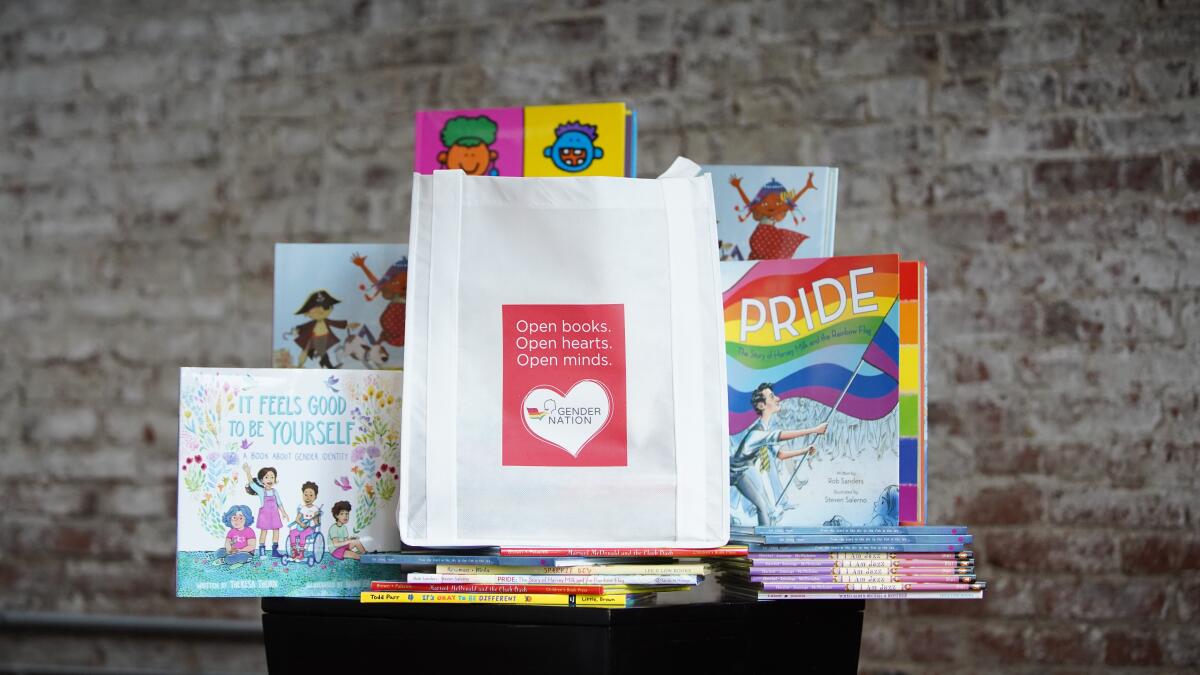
(468, 142)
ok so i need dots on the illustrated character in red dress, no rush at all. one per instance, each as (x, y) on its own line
(392, 286)
(772, 203)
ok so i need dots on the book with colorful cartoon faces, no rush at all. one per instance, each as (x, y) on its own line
(286, 479)
(340, 306)
(588, 139)
(774, 212)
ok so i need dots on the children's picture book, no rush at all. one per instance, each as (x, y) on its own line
(913, 439)
(774, 212)
(340, 306)
(286, 479)
(480, 141)
(812, 362)
(586, 139)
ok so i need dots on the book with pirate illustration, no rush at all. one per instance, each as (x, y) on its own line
(772, 212)
(340, 306)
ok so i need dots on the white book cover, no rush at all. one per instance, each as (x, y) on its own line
(286, 478)
(773, 212)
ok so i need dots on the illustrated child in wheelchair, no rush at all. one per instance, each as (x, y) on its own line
(305, 541)
(345, 546)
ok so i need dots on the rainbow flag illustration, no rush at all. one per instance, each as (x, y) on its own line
(534, 413)
(813, 342)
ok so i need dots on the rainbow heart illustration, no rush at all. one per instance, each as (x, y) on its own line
(567, 421)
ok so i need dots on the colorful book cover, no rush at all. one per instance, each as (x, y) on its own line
(773, 212)
(912, 393)
(286, 478)
(812, 356)
(480, 141)
(587, 139)
(340, 306)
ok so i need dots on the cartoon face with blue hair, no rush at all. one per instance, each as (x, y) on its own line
(238, 517)
(574, 147)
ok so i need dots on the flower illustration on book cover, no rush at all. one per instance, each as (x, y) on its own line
(375, 448)
(208, 475)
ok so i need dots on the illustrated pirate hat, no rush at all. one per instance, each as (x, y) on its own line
(321, 299)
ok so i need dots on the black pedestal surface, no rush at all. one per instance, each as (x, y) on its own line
(724, 637)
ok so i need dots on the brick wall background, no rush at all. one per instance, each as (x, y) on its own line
(1042, 156)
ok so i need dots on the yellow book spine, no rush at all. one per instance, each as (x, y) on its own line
(615, 600)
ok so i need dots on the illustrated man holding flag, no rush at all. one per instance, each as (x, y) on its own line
(742, 472)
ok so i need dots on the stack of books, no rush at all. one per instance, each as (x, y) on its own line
(824, 563)
(577, 577)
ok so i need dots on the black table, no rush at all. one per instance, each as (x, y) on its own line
(725, 637)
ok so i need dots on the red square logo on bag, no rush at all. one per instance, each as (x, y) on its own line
(564, 385)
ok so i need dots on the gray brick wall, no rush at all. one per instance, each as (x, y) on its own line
(1042, 156)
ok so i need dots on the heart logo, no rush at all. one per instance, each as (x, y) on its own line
(567, 421)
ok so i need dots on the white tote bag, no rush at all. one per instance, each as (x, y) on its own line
(564, 363)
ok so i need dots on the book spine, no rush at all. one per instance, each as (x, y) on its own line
(587, 579)
(861, 555)
(916, 571)
(839, 539)
(879, 586)
(574, 570)
(889, 595)
(628, 552)
(488, 588)
(854, 548)
(927, 564)
(862, 578)
(496, 599)
(830, 210)
(892, 529)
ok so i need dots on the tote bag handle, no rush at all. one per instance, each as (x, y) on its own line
(679, 204)
(441, 425)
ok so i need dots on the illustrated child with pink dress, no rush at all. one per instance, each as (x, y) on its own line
(345, 546)
(308, 519)
(239, 541)
(271, 514)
